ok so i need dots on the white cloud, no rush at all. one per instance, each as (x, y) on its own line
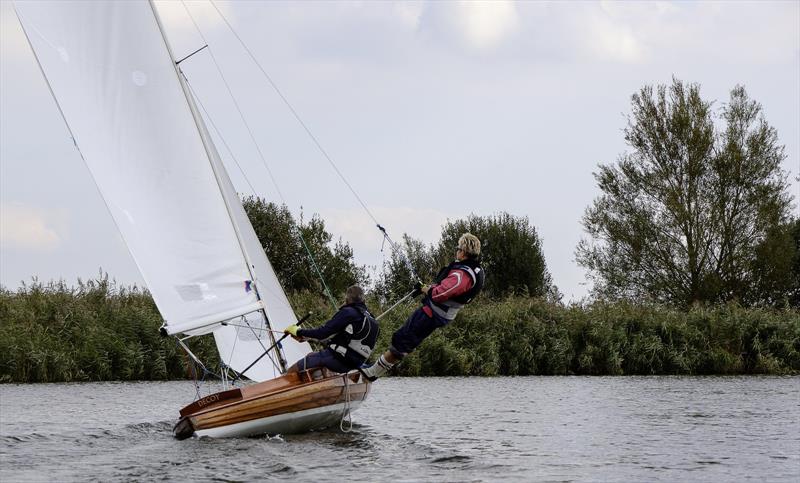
(409, 13)
(609, 40)
(630, 32)
(175, 17)
(26, 228)
(486, 24)
(13, 44)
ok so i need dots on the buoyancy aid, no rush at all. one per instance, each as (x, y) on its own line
(356, 342)
(449, 308)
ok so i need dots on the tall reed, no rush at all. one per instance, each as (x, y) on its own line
(524, 336)
(95, 331)
(101, 331)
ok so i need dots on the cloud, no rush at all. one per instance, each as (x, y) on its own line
(630, 32)
(175, 16)
(409, 13)
(609, 40)
(477, 26)
(486, 24)
(26, 228)
(13, 45)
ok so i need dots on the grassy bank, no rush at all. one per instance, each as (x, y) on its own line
(98, 331)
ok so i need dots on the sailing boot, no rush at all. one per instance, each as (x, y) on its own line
(379, 369)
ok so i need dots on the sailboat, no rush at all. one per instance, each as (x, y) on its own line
(133, 119)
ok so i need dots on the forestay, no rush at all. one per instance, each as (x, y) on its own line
(112, 74)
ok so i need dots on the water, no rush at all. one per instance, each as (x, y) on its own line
(433, 429)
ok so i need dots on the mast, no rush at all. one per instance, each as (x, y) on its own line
(210, 153)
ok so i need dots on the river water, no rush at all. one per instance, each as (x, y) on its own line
(431, 429)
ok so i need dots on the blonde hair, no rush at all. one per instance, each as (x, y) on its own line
(470, 245)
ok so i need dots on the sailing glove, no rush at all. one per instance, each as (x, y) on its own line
(291, 330)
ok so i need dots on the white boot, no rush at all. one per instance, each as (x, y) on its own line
(379, 369)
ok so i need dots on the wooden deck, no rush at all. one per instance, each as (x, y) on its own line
(296, 392)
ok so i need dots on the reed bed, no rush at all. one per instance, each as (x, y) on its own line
(100, 331)
(94, 332)
(523, 336)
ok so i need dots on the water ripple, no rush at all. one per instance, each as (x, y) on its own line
(511, 429)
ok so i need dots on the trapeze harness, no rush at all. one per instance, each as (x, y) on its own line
(355, 343)
(449, 308)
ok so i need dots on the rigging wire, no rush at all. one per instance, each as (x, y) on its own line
(235, 160)
(235, 102)
(261, 156)
(314, 139)
(219, 134)
(246, 178)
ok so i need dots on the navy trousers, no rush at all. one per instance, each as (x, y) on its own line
(323, 358)
(418, 326)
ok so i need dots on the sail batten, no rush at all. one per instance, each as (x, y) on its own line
(114, 80)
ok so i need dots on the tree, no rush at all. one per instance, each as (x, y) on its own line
(280, 236)
(681, 214)
(776, 267)
(396, 278)
(511, 254)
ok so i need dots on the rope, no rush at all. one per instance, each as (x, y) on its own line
(395, 249)
(194, 361)
(219, 134)
(409, 294)
(277, 347)
(244, 174)
(311, 136)
(346, 409)
(316, 268)
(261, 156)
(294, 113)
(194, 377)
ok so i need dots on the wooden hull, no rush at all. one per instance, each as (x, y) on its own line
(293, 403)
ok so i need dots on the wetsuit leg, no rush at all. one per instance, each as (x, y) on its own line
(323, 358)
(408, 337)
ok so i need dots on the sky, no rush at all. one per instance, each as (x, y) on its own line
(431, 110)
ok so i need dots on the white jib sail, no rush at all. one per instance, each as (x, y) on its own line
(113, 78)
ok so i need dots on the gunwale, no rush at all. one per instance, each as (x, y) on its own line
(296, 392)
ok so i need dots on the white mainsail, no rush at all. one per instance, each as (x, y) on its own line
(114, 79)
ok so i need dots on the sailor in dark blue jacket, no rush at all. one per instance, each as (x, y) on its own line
(351, 335)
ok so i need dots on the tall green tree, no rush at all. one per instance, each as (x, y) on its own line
(280, 236)
(396, 278)
(511, 254)
(681, 213)
(776, 268)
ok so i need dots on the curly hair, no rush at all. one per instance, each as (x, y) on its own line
(470, 245)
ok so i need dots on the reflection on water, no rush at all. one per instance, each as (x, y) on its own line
(477, 429)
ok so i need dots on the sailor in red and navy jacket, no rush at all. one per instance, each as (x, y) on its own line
(455, 286)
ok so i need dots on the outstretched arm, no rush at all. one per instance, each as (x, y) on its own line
(337, 323)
